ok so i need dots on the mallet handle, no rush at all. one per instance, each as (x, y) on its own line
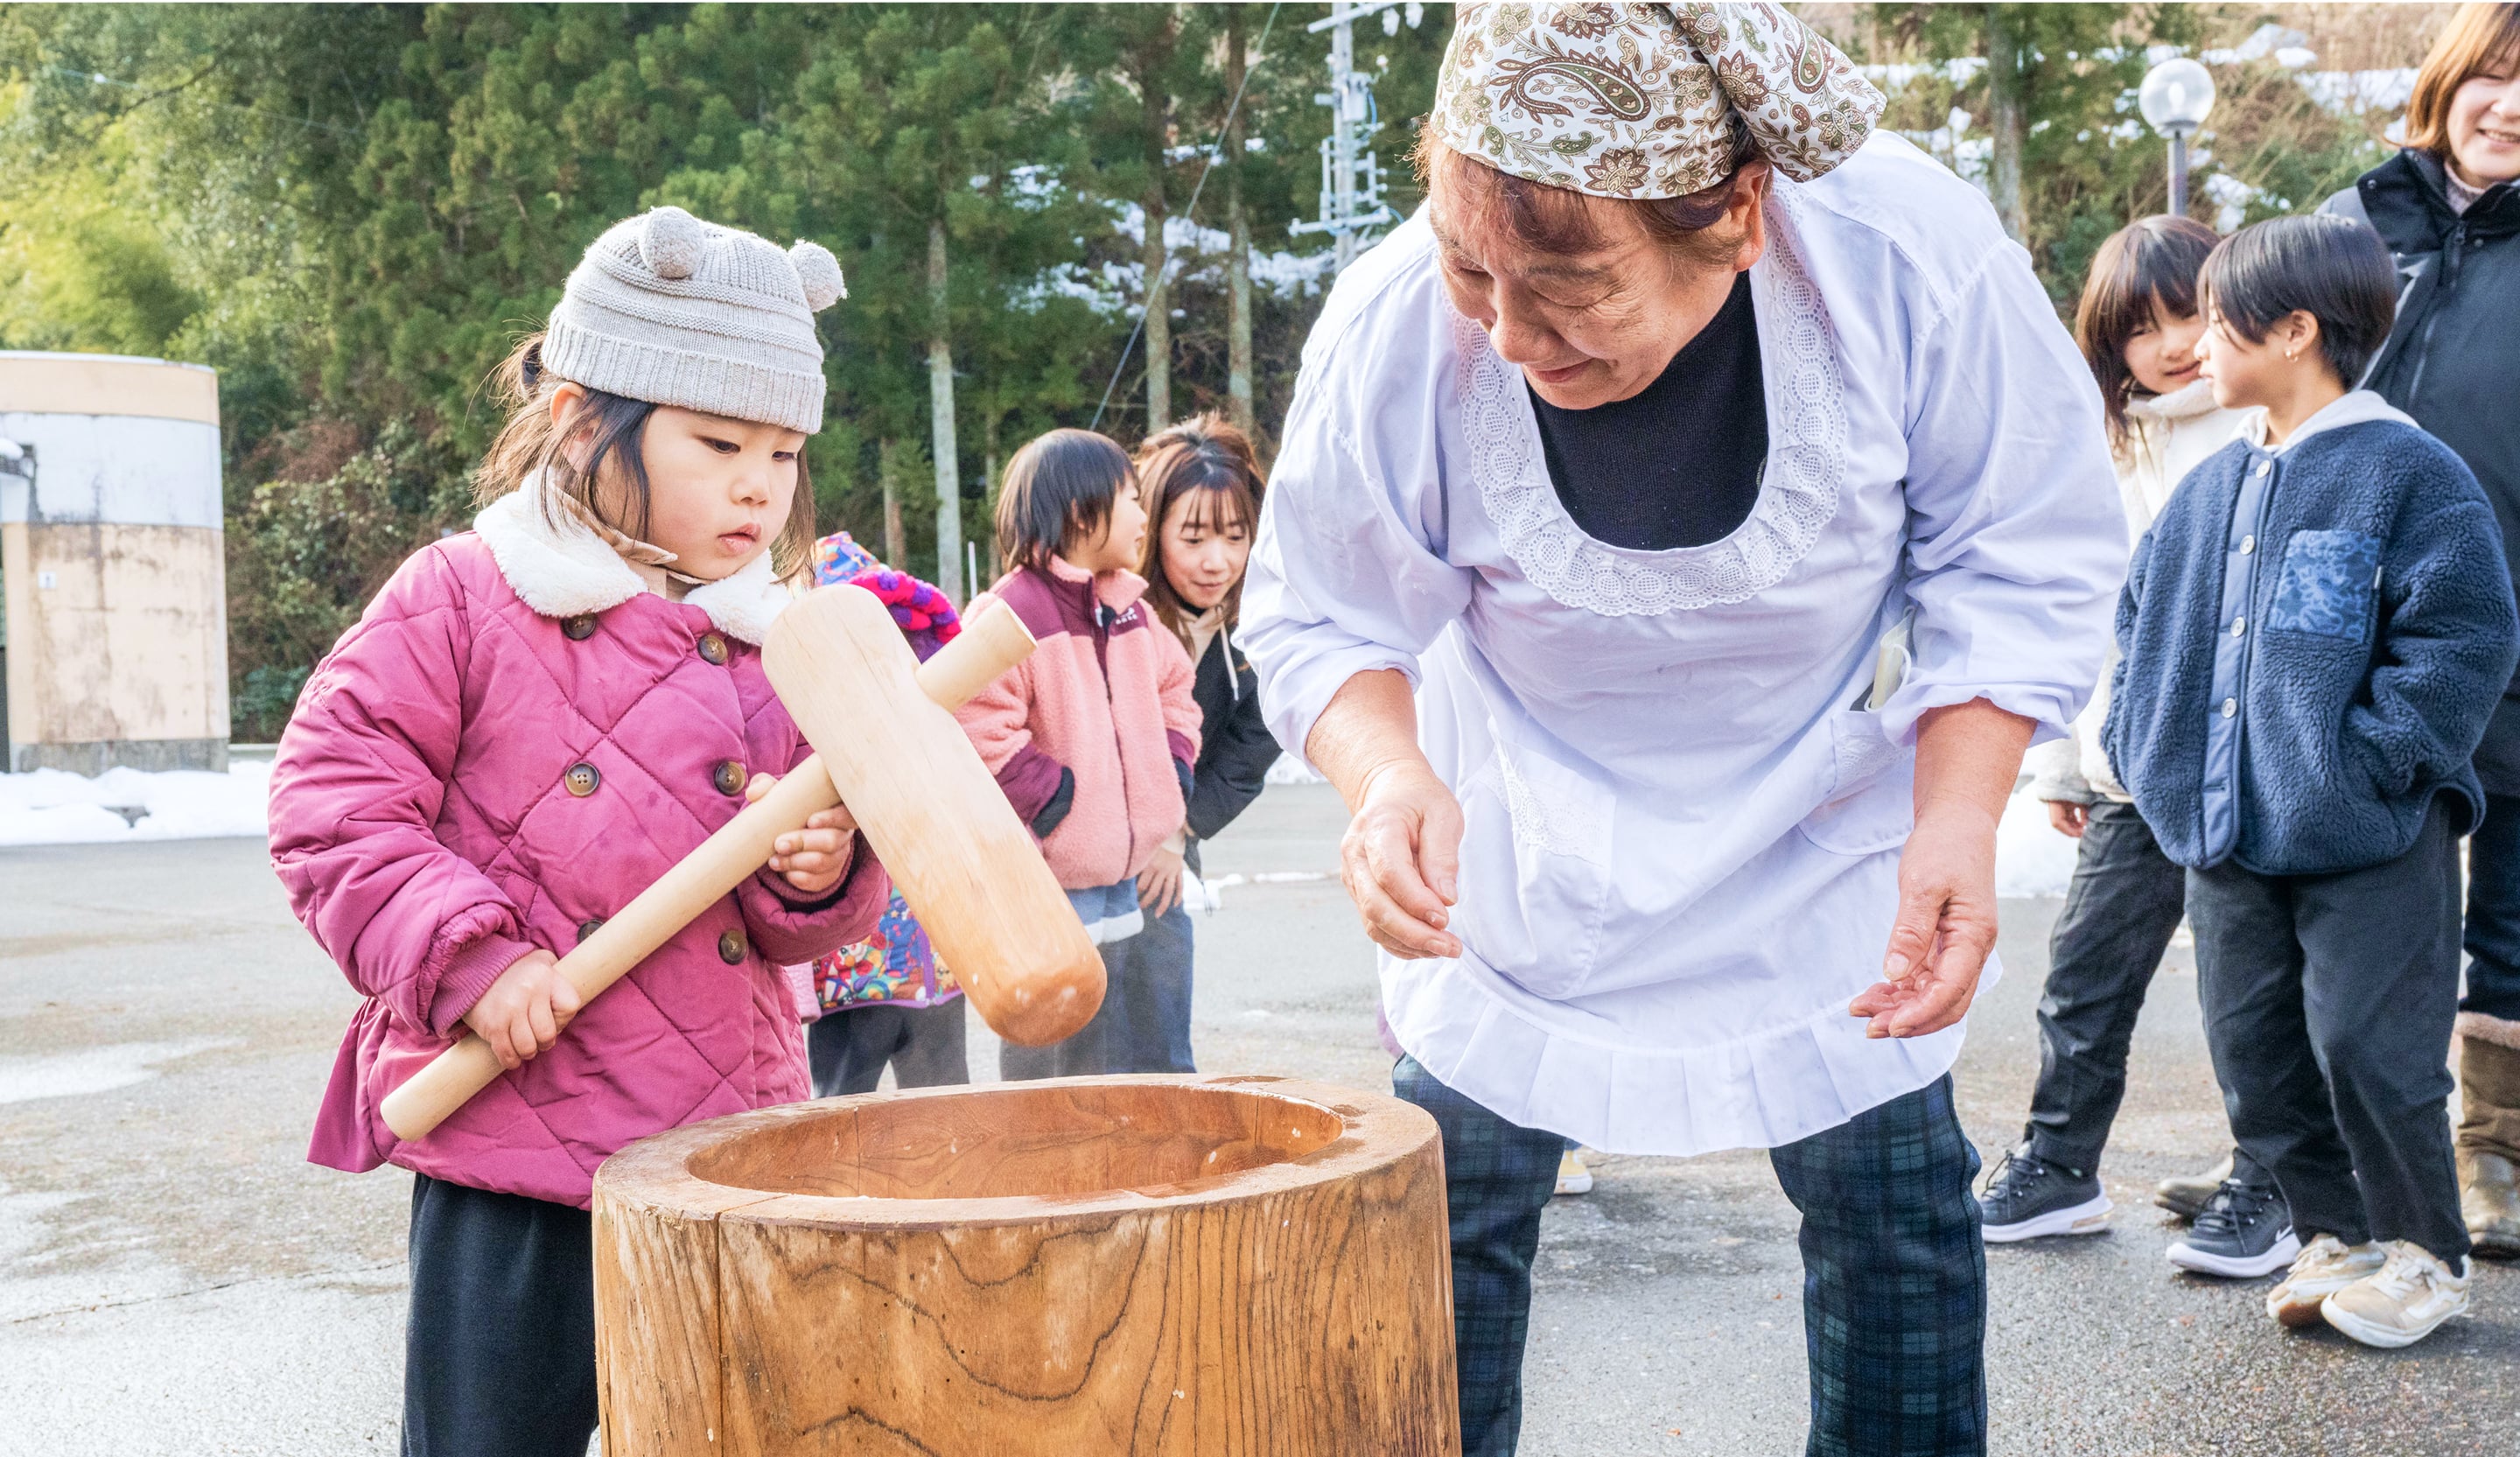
(988, 646)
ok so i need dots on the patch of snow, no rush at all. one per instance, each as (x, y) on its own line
(1207, 898)
(2269, 39)
(1291, 770)
(2031, 858)
(2350, 93)
(1115, 288)
(1897, 76)
(92, 1069)
(2231, 197)
(50, 807)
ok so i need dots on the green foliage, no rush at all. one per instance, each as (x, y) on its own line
(86, 276)
(2087, 163)
(310, 545)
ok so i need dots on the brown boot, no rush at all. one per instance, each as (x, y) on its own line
(2489, 1133)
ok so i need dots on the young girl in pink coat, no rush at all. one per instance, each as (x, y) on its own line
(1093, 738)
(530, 723)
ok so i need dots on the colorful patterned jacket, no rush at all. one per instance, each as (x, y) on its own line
(896, 965)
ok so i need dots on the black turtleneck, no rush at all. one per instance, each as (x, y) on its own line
(1677, 464)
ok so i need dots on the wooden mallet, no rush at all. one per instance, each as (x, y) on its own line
(888, 748)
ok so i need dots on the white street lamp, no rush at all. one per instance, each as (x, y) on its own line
(2175, 97)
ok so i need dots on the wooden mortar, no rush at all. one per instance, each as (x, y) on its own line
(1174, 1264)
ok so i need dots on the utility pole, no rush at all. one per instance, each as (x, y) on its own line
(1352, 203)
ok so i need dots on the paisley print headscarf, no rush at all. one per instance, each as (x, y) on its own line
(1639, 101)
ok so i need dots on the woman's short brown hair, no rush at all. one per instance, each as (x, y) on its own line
(2150, 264)
(1555, 219)
(1206, 455)
(2481, 40)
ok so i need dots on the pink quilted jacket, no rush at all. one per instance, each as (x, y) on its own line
(514, 741)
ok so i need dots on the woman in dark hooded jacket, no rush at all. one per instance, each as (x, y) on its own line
(1201, 486)
(2449, 208)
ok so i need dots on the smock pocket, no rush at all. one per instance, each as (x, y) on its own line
(2327, 586)
(1554, 850)
(1872, 801)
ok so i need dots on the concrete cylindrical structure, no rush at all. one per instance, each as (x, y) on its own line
(112, 565)
(1221, 1266)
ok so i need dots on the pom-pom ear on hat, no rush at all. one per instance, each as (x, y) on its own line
(670, 241)
(819, 273)
(677, 311)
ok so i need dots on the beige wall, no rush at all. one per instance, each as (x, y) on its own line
(129, 643)
(113, 564)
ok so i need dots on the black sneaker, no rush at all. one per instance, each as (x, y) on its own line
(2027, 1197)
(2242, 1232)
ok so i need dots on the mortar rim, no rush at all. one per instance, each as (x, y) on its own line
(1379, 1130)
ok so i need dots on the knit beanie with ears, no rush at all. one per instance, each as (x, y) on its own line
(675, 311)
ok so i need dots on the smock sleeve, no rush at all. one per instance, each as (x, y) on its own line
(1348, 575)
(2015, 542)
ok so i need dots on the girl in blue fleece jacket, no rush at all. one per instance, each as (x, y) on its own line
(2314, 634)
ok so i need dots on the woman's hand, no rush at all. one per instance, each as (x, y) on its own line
(1159, 884)
(2067, 817)
(1946, 925)
(1401, 857)
(1401, 860)
(814, 858)
(524, 1010)
(1967, 758)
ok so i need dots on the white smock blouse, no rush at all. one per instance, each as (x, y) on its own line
(1683, 827)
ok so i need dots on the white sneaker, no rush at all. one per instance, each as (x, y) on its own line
(1572, 1176)
(2325, 1266)
(2409, 1297)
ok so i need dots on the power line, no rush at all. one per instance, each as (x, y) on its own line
(154, 93)
(1164, 274)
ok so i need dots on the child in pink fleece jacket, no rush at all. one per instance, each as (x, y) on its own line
(531, 722)
(1094, 736)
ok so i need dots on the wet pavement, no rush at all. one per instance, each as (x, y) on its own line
(175, 1279)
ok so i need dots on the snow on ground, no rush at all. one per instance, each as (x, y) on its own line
(49, 807)
(1291, 770)
(2030, 857)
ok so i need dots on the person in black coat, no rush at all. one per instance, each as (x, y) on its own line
(1202, 485)
(2449, 208)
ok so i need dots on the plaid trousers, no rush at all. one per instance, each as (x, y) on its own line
(1894, 1270)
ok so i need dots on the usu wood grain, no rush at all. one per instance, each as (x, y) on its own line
(1111, 1265)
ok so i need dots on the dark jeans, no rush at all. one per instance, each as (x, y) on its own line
(848, 1049)
(1144, 1024)
(2328, 1004)
(499, 1359)
(1894, 1270)
(2494, 912)
(2121, 908)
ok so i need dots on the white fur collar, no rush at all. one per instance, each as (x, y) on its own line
(562, 570)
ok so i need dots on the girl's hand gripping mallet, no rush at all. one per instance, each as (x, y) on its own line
(989, 645)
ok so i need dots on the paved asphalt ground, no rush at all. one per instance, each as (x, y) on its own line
(175, 1279)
